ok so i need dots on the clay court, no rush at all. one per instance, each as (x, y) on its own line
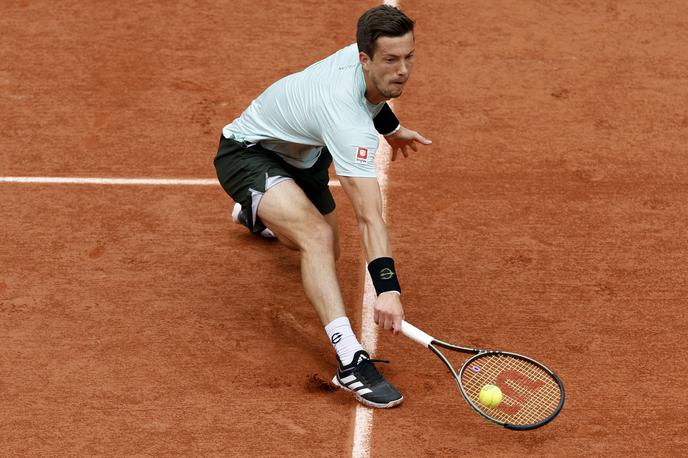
(549, 217)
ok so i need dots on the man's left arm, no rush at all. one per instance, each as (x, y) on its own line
(399, 137)
(366, 200)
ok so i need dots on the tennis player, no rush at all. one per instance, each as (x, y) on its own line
(273, 161)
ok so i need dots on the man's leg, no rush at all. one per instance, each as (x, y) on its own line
(288, 212)
(331, 219)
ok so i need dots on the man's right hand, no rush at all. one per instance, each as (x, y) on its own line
(388, 312)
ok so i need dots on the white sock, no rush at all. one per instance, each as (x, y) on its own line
(343, 339)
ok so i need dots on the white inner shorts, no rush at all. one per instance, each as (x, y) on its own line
(257, 196)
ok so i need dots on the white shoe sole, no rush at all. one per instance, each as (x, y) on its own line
(267, 233)
(235, 213)
(366, 402)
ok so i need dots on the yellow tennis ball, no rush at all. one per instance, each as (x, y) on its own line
(490, 396)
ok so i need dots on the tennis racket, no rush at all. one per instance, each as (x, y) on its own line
(533, 394)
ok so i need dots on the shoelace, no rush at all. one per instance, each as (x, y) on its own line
(369, 372)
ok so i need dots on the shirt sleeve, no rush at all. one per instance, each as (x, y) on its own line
(353, 151)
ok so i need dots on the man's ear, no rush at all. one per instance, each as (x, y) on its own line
(364, 59)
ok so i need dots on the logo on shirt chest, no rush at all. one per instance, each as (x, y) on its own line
(361, 155)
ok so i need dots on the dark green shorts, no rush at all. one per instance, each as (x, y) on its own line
(246, 172)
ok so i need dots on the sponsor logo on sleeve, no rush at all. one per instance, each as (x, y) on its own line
(361, 155)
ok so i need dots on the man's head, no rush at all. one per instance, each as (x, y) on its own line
(385, 43)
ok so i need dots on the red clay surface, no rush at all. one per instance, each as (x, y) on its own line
(548, 218)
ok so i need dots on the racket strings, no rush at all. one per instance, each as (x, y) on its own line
(531, 394)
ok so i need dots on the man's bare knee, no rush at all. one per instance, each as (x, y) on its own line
(319, 237)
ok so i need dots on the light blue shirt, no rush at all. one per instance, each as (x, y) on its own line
(323, 105)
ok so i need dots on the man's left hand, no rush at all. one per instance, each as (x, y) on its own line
(403, 139)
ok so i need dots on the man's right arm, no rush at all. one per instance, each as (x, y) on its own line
(366, 200)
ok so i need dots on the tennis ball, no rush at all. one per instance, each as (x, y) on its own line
(490, 396)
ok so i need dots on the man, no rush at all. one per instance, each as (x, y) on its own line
(273, 161)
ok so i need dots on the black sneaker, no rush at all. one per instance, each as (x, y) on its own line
(362, 378)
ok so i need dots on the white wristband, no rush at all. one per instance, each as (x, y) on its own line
(394, 131)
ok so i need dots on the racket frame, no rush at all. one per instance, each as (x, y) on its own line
(479, 353)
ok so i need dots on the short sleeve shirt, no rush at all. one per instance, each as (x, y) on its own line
(321, 106)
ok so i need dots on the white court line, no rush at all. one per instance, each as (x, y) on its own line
(123, 181)
(363, 422)
(113, 181)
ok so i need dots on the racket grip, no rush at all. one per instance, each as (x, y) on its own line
(416, 334)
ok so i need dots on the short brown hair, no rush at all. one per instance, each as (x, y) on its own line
(381, 21)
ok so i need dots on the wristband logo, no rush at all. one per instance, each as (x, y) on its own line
(386, 274)
(336, 337)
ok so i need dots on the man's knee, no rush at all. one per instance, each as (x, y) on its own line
(328, 238)
(320, 237)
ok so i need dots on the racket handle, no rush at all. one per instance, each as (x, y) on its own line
(416, 334)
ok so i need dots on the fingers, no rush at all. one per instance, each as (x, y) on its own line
(388, 311)
(392, 323)
(396, 326)
(419, 138)
(388, 320)
(409, 141)
(383, 319)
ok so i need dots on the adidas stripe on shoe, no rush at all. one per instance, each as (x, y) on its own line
(367, 384)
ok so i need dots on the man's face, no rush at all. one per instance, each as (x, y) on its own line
(390, 67)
